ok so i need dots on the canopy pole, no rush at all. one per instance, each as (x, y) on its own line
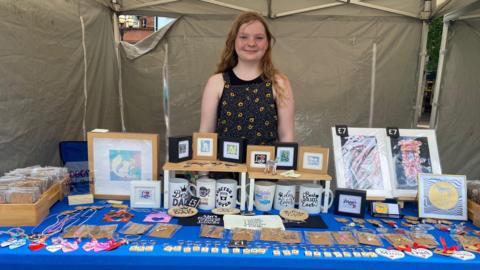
(166, 98)
(438, 81)
(85, 92)
(359, 3)
(421, 74)
(116, 34)
(222, 4)
(302, 10)
(372, 89)
(149, 4)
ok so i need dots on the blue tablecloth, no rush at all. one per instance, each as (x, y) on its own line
(23, 258)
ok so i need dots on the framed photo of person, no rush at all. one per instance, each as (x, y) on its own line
(232, 149)
(313, 159)
(361, 161)
(258, 155)
(145, 194)
(350, 202)
(286, 155)
(442, 196)
(205, 146)
(414, 151)
(179, 149)
(117, 158)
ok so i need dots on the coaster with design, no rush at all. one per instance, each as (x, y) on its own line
(226, 211)
(182, 211)
(370, 239)
(270, 234)
(319, 238)
(294, 214)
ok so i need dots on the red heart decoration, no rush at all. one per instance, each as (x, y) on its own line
(36, 246)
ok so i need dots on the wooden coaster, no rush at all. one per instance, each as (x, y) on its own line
(294, 214)
(226, 211)
(182, 211)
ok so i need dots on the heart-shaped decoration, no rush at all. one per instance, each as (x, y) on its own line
(36, 246)
(463, 255)
(422, 253)
(53, 248)
(392, 254)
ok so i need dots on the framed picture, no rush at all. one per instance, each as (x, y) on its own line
(258, 155)
(205, 146)
(442, 196)
(145, 194)
(313, 159)
(232, 149)
(179, 149)
(349, 202)
(361, 161)
(286, 155)
(414, 151)
(117, 158)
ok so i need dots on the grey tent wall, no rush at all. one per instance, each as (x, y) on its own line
(327, 58)
(457, 124)
(42, 77)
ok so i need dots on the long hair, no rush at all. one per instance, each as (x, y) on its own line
(229, 58)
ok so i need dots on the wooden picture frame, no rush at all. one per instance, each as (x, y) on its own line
(205, 146)
(442, 196)
(117, 158)
(286, 155)
(179, 149)
(346, 202)
(232, 149)
(257, 157)
(313, 159)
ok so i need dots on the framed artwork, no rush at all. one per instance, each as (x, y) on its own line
(313, 159)
(117, 158)
(414, 151)
(145, 194)
(361, 161)
(179, 149)
(349, 202)
(232, 149)
(442, 196)
(205, 146)
(258, 155)
(286, 155)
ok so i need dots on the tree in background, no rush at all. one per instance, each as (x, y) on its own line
(433, 43)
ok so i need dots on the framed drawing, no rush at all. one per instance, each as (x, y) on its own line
(205, 146)
(442, 196)
(145, 194)
(286, 155)
(232, 149)
(361, 161)
(349, 202)
(179, 149)
(117, 158)
(414, 151)
(258, 155)
(313, 159)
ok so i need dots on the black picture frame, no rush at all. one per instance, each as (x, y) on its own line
(346, 198)
(242, 149)
(294, 148)
(174, 146)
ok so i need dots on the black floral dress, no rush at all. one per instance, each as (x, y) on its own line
(247, 109)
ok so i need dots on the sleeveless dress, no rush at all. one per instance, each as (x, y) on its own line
(247, 110)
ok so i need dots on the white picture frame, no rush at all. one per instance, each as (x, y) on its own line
(361, 161)
(145, 194)
(414, 151)
(442, 196)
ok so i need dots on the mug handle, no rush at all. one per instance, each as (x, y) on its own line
(192, 187)
(331, 199)
(246, 195)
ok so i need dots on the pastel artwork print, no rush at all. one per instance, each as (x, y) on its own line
(125, 165)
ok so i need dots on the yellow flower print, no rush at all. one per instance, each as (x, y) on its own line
(251, 119)
(268, 84)
(268, 95)
(229, 113)
(240, 115)
(224, 103)
(257, 100)
(224, 122)
(232, 94)
(250, 126)
(225, 129)
(239, 127)
(259, 134)
(227, 85)
(240, 104)
(262, 109)
(267, 123)
(255, 90)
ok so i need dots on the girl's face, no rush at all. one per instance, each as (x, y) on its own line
(251, 42)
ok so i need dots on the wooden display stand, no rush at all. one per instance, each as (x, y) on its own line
(303, 177)
(474, 212)
(202, 166)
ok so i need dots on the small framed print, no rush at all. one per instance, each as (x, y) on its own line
(286, 155)
(442, 196)
(232, 149)
(205, 146)
(179, 149)
(145, 194)
(313, 159)
(350, 202)
(258, 155)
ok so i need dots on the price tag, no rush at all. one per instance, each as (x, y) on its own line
(393, 132)
(341, 130)
(193, 202)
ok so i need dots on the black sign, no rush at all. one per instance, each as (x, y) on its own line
(393, 132)
(341, 130)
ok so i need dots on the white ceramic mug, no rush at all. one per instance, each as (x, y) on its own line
(284, 196)
(205, 190)
(264, 193)
(180, 191)
(226, 193)
(310, 198)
